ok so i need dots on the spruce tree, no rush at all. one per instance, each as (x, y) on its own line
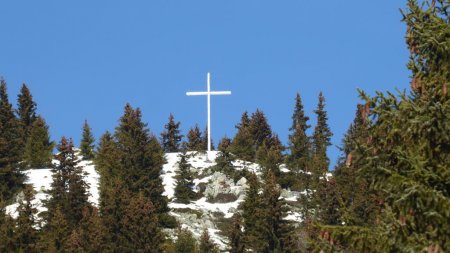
(38, 148)
(242, 144)
(56, 233)
(185, 242)
(259, 129)
(204, 141)
(298, 159)
(195, 140)
(253, 216)
(171, 137)
(11, 145)
(321, 139)
(184, 192)
(406, 155)
(270, 156)
(141, 158)
(87, 143)
(26, 111)
(206, 244)
(224, 144)
(68, 191)
(26, 234)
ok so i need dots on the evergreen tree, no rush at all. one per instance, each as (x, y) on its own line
(242, 145)
(252, 215)
(185, 242)
(276, 231)
(26, 111)
(171, 136)
(141, 231)
(38, 148)
(406, 155)
(298, 160)
(11, 145)
(195, 140)
(204, 140)
(321, 139)
(206, 244)
(236, 236)
(270, 156)
(141, 158)
(87, 142)
(184, 192)
(26, 233)
(259, 129)
(69, 190)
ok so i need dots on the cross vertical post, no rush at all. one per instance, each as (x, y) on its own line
(208, 93)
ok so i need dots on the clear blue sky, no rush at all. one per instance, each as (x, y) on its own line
(86, 59)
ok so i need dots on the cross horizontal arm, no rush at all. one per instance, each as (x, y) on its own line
(199, 93)
(220, 92)
(196, 93)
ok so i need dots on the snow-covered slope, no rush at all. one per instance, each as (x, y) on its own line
(210, 211)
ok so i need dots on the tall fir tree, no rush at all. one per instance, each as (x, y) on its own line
(184, 191)
(55, 234)
(270, 156)
(87, 142)
(141, 158)
(171, 137)
(299, 158)
(11, 146)
(68, 191)
(407, 153)
(26, 233)
(260, 130)
(321, 139)
(39, 147)
(26, 111)
(195, 140)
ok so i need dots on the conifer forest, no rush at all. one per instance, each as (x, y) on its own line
(133, 190)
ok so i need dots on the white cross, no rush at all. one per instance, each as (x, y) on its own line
(208, 93)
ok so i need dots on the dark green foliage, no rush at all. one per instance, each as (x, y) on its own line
(270, 156)
(38, 148)
(89, 235)
(206, 244)
(299, 158)
(186, 242)
(141, 158)
(11, 146)
(26, 111)
(242, 145)
(321, 139)
(26, 237)
(252, 214)
(251, 135)
(87, 143)
(195, 140)
(69, 190)
(184, 192)
(236, 236)
(406, 155)
(141, 231)
(171, 136)
(205, 140)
